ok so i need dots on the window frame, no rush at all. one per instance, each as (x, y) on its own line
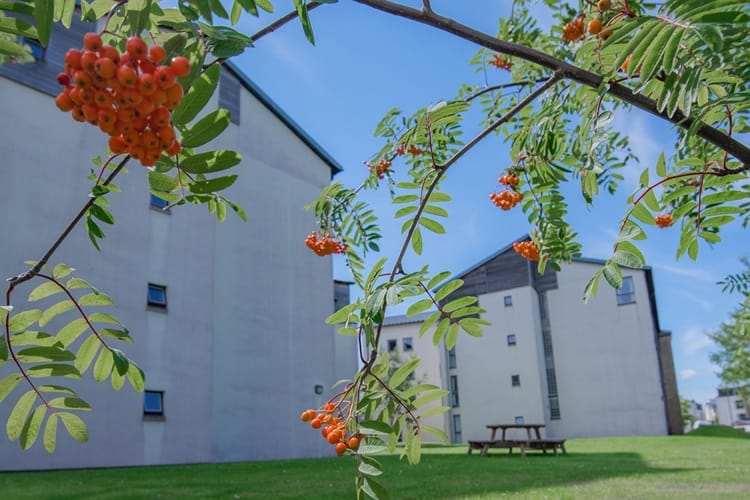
(453, 391)
(626, 294)
(508, 301)
(515, 380)
(158, 412)
(457, 430)
(512, 339)
(452, 358)
(156, 303)
(407, 344)
(391, 345)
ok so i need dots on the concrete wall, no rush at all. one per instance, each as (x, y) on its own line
(606, 359)
(242, 342)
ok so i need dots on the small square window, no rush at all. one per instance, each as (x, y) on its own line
(508, 300)
(452, 357)
(626, 293)
(456, 428)
(515, 380)
(392, 345)
(519, 420)
(157, 295)
(408, 344)
(159, 203)
(739, 404)
(37, 51)
(512, 339)
(153, 403)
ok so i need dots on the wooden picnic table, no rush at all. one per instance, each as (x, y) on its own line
(536, 443)
(505, 427)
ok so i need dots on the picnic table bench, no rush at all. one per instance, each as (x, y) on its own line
(535, 443)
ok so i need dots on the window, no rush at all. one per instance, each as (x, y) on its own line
(392, 345)
(408, 344)
(508, 300)
(454, 391)
(739, 404)
(37, 51)
(626, 293)
(452, 357)
(515, 380)
(554, 408)
(153, 403)
(159, 203)
(519, 420)
(157, 295)
(512, 339)
(456, 428)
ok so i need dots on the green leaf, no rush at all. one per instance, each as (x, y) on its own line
(53, 370)
(434, 431)
(74, 283)
(429, 321)
(402, 373)
(437, 410)
(613, 275)
(432, 225)
(96, 299)
(44, 290)
(374, 489)
(137, 14)
(419, 306)
(136, 377)
(67, 403)
(9, 383)
(75, 426)
(304, 19)
(210, 162)
(44, 353)
(429, 397)
(56, 389)
(162, 182)
(32, 426)
(437, 279)
(51, 312)
(627, 259)
(368, 469)
(592, 286)
(44, 10)
(70, 332)
(121, 361)
(23, 320)
(458, 303)
(448, 288)
(16, 26)
(18, 415)
(50, 434)
(206, 129)
(471, 327)
(86, 353)
(416, 241)
(375, 427)
(642, 213)
(201, 90)
(413, 448)
(212, 185)
(103, 366)
(102, 214)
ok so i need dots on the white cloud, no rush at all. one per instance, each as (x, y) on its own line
(694, 340)
(687, 374)
(645, 143)
(690, 272)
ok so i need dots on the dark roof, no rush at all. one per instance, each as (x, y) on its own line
(253, 88)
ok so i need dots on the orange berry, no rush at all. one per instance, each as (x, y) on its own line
(150, 140)
(353, 442)
(147, 66)
(315, 423)
(181, 66)
(144, 108)
(139, 123)
(305, 416)
(146, 84)
(595, 26)
(136, 48)
(333, 437)
(88, 61)
(110, 52)
(117, 145)
(77, 114)
(604, 5)
(157, 54)
(165, 77)
(105, 67)
(90, 112)
(92, 42)
(127, 76)
(63, 101)
(103, 98)
(340, 448)
(82, 79)
(166, 136)
(137, 151)
(160, 118)
(73, 58)
(174, 96)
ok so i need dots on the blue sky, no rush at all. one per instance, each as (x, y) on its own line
(365, 62)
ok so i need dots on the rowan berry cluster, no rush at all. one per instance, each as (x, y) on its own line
(324, 245)
(501, 63)
(414, 150)
(527, 249)
(663, 220)
(506, 199)
(128, 95)
(333, 428)
(510, 180)
(380, 168)
(573, 30)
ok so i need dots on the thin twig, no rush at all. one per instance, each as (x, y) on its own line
(281, 22)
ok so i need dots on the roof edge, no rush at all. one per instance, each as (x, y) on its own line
(287, 120)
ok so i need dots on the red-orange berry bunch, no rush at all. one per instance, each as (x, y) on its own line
(333, 428)
(128, 95)
(501, 63)
(573, 30)
(414, 150)
(663, 220)
(506, 199)
(381, 168)
(527, 249)
(509, 180)
(324, 245)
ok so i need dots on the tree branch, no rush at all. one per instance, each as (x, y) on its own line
(281, 22)
(721, 140)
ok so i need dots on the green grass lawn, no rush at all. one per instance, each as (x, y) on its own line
(713, 464)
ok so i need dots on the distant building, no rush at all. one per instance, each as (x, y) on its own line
(227, 318)
(598, 369)
(696, 413)
(731, 409)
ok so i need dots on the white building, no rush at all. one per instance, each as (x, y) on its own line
(602, 368)
(730, 409)
(238, 346)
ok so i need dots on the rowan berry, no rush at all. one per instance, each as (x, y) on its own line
(92, 42)
(173, 148)
(90, 112)
(103, 98)
(82, 79)
(136, 48)
(63, 101)
(340, 448)
(117, 145)
(77, 114)
(63, 79)
(110, 52)
(157, 54)
(353, 442)
(509, 180)
(573, 30)
(663, 220)
(506, 199)
(166, 136)
(181, 66)
(137, 151)
(127, 76)
(595, 26)
(146, 84)
(159, 118)
(144, 109)
(105, 67)
(333, 437)
(500, 62)
(414, 150)
(527, 249)
(604, 5)
(165, 77)
(88, 61)
(316, 423)
(73, 58)
(146, 66)
(174, 96)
